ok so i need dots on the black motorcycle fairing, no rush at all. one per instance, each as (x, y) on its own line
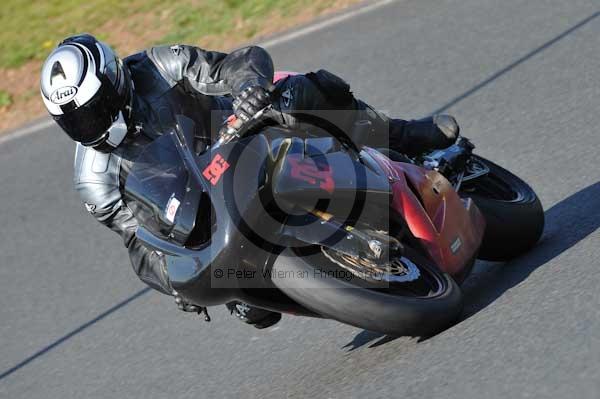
(229, 179)
(158, 180)
(168, 169)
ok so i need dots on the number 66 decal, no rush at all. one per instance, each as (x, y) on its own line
(215, 169)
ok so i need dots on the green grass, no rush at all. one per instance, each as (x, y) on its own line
(5, 99)
(30, 29)
(218, 17)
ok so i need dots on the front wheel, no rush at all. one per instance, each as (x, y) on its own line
(415, 299)
(512, 210)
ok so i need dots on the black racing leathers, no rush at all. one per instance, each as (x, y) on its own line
(168, 80)
(199, 84)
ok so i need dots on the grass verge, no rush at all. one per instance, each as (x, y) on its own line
(32, 29)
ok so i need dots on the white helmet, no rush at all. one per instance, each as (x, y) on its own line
(87, 90)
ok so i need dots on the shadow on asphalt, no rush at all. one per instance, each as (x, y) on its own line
(567, 223)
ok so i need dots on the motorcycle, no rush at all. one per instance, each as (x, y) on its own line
(323, 226)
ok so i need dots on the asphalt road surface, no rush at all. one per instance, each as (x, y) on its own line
(523, 78)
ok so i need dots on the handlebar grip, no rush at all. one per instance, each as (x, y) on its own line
(235, 127)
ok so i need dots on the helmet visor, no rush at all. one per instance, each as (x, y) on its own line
(88, 123)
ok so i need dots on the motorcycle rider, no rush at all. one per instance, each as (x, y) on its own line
(112, 108)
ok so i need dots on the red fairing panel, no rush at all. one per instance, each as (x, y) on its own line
(450, 228)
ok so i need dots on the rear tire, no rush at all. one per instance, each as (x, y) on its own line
(514, 225)
(353, 301)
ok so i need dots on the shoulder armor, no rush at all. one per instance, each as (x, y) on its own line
(171, 61)
(97, 181)
(179, 62)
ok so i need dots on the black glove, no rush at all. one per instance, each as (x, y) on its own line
(250, 102)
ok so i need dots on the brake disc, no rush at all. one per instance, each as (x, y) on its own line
(397, 270)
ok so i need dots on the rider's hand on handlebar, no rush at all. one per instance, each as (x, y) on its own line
(251, 107)
(250, 102)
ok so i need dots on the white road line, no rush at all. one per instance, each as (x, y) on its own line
(326, 23)
(26, 131)
(295, 34)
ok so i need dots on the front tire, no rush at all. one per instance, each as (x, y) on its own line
(512, 210)
(358, 303)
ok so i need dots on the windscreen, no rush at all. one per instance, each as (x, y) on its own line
(156, 186)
